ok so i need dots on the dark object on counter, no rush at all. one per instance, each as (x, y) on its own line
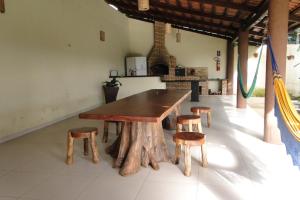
(195, 91)
(159, 70)
(110, 93)
(179, 72)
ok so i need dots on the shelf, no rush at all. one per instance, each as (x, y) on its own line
(145, 76)
(216, 79)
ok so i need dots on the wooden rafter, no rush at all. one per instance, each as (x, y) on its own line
(192, 26)
(295, 10)
(261, 34)
(218, 18)
(182, 23)
(226, 4)
(131, 8)
(294, 26)
(2, 6)
(174, 8)
(260, 26)
(182, 28)
(203, 32)
(294, 18)
(258, 15)
(252, 42)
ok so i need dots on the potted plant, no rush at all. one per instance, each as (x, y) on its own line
(111, 89)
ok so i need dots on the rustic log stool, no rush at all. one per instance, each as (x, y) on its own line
(193, 122)
(200, 110)
(83, 133)
(105, 131)
(188, 139)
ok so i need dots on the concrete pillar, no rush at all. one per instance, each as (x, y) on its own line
(278, 30)
(243, 52)
(229, 67)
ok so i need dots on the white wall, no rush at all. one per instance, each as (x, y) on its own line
(195, 50)
(140, 37)
(52, 62)
(293, 70)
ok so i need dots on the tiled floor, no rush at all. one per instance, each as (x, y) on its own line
(241, 165)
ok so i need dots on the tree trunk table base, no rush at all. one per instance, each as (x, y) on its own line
(140, 144)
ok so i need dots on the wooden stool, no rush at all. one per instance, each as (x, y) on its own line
(83, 133)
(188, 139)
(200, 110)
(193, 122)
(105, 131)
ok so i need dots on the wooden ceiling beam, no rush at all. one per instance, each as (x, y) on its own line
(202, 32)
(160, 14)
(251, 42)
(155, 12)
(294, 18)
(226, 4)
(173, 8)
(295, 10)
(261, 34)
(294, 26)
(258, 15)
(194, 21)
(254, 43)
(260, 25)
(194, 27)
(181, 27)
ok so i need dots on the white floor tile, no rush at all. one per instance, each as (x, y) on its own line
(169, 172)
(167, 190)
(60, 187)
(7, 198)
(218, 192)
(111, 189)
(3, 172)
(16, 183)
(240, 164)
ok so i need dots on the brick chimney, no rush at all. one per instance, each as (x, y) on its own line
(159, 57)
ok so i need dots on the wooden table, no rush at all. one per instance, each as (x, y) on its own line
(142, 140)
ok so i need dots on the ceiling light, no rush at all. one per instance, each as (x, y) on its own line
(143, 5)
(168, 28)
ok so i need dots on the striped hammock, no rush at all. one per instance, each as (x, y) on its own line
(287, 109)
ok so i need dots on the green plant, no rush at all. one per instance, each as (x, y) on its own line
(112, 83)
(259, 92)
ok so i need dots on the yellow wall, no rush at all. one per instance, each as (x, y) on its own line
(195, 50)
(52, 63)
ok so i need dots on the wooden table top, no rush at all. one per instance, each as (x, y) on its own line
(149, 106)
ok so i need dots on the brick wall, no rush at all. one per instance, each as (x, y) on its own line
(159, 53)
(187, 85)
